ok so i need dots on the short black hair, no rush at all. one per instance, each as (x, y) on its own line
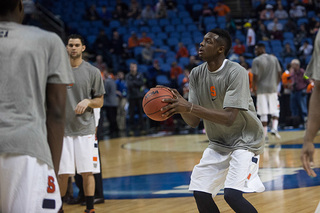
(225, 37)
(261, 45)
(75, 36)
(7, 6)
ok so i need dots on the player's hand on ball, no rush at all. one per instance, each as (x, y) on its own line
(177, 105)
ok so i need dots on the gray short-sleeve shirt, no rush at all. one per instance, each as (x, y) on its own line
(267, 68)
(313, 69)
(30, 58)
(227, 87)
(88, 84)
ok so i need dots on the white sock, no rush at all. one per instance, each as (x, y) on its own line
(265, 131)
(275, 124)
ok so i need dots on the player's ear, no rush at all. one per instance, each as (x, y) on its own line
(221, 49)
(83, 48)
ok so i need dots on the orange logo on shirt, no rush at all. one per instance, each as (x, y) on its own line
(213, 91)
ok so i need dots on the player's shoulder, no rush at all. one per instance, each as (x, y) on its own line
(199, 68)
(38, 33)
(90, 67)
(235, 67)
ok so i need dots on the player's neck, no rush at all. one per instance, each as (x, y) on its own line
(215, 65)
(75, 62)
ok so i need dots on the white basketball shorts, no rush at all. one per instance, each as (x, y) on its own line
(268, 104)
(79, 153)
(236, 170)
(27, 185)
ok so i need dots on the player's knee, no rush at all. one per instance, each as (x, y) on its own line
(202, 197)
(232, 195)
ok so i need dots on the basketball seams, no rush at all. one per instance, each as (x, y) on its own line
(156, 98)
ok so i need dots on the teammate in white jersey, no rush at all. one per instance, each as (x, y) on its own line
(78, 153)
(219, 94)
(34, 73)
(313, 123)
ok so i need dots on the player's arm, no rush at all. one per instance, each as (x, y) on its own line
(56, 100)
(313, 126)
(191, 113)
(96, 102)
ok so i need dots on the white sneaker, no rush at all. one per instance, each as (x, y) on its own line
(275, 133)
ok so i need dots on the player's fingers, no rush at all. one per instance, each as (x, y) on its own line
(307, 163)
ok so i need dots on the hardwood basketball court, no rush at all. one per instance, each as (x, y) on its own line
(151, 174)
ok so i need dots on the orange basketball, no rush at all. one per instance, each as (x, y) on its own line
(152, 103)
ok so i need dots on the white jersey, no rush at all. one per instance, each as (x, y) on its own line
(30, 58)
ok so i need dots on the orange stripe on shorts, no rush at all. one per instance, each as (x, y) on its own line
(95, 158)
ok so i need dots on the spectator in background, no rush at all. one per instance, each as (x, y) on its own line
(110, 105)
(260, 8)
(133, 42)
(304, 51)
(101, 46)
(144, 40)
(221, 9)
(29, 10)
(123, 5)
(100, 64)
(182, 51)
(250, 38)
(280, 13)
(175, 71)
(206, 10)
(290, 26)
(297, 11)
(152, 74)
(135, 83)
(276, 34)
(147, 53)
(286, 80)
(122, 100)
(105, 15)
(120, 14)
(161, 9)
(262, 32)
(171, 4)
(147, 13)
(239, 48)
(288, 51)
(91, 13)
(298, 98)
(275, 23)
(134, 10)
(116, 50)
(185, 84)
(267, 13)
(300, 35)
(193, 62)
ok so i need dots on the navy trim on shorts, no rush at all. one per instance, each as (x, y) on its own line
(48, 204)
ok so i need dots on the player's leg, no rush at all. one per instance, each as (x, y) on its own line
(67, 167)
(242, 177)
(205, 202)
(237, 202)
(208, 178)
(27, 185)
(263, 111)
(85, 161)
(274, 106)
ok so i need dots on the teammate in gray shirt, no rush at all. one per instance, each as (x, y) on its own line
(220, 95)
(266, 72)
(78, 145)
(34, 73)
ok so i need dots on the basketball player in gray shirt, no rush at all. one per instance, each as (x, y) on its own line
(78, 144)
(266, 72)
(34, 74)
(220, 95)
(313, 123)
